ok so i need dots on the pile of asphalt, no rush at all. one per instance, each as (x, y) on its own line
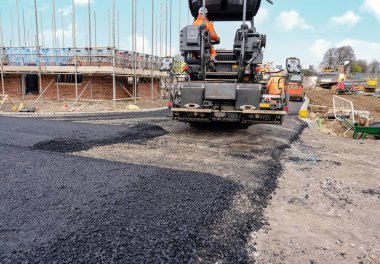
(137, 134)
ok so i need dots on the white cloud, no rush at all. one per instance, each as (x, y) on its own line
(373, 7)
(349, 18)
(363, 49)
(144, 41)
(319, 48)
(289, 20)
(142, 44)
(262, 16)
(66, 11)
(83, 2)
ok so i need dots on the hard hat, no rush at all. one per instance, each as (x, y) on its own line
(203, 10)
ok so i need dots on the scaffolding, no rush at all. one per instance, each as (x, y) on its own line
(32, 58)
(100, 61)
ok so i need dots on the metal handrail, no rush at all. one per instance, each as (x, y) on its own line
(343, 106)
(56, 57)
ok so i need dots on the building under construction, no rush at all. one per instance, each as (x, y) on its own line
(80, 74)
(31, 71)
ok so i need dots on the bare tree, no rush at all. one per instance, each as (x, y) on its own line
(330, 59)
(334, 57)
(345, 53)
(374, 67)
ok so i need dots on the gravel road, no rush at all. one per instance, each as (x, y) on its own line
(330, 189)
(135, 189)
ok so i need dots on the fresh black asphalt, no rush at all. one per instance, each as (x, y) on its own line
(59, 208)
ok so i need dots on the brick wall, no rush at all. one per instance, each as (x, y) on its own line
(100, 88)
(13, 86)
(144, 90)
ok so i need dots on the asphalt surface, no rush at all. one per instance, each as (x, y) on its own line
(58, 205)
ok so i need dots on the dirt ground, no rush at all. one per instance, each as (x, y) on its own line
(326, 209)
(81, 107)
(361, 102)
(139, 187)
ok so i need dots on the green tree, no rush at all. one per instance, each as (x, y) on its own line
(355, 68)
(363, 64)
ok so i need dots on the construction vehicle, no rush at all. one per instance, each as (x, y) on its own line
(371, 85)
(296, 91)
(345, 85)
(327, 78)
(235, 92)
(372, 82)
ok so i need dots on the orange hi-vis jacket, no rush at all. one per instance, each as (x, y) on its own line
(209, 28)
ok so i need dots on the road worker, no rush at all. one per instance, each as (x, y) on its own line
(210, 28)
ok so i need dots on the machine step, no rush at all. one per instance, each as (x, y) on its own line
(221, 74)
(221, 81)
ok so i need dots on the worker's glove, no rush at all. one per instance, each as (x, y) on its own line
(218, 41)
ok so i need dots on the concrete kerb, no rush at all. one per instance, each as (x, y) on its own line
(304, 112)
(71, 114)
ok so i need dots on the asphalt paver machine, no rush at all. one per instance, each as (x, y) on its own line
(235, 92)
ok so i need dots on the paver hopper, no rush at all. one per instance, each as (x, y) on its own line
(225, 10)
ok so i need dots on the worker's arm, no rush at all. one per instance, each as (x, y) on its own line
(210, 28)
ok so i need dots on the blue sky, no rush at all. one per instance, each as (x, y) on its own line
(302, 28)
